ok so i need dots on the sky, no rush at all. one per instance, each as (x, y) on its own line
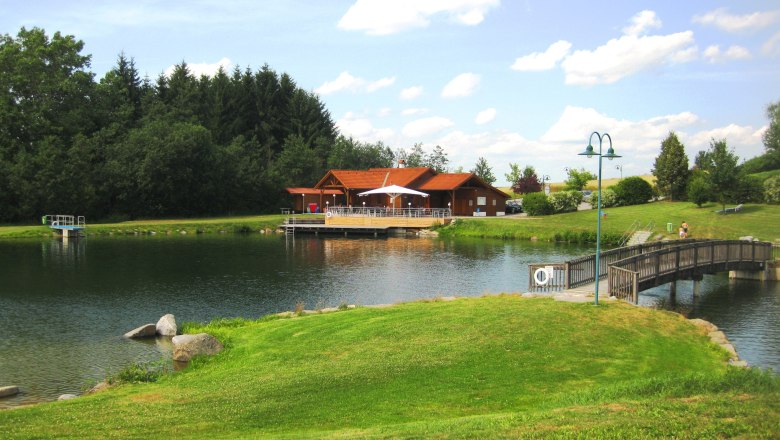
(524, 82)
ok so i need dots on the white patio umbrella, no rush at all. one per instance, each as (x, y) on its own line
(393, 191)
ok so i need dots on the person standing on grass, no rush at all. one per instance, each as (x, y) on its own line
(682, 232)
(685, 228)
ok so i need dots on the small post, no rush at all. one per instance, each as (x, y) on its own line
(696, 288)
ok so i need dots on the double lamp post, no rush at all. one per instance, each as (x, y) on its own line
(610, 154)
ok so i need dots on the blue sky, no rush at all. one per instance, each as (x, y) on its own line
(513, 81)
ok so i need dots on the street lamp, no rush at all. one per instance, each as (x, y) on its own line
(610, 154)
(545, 178)
(620, 167)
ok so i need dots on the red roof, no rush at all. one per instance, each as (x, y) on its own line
(445, 181)
(313, 191)
(376, 177)
(423, 179)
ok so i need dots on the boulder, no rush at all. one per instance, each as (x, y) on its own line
(144, 331)
(166, 326)
(187, 346)
(67, 397)
(718, 337)
(99, 387)
(710, 327)
(10, 390)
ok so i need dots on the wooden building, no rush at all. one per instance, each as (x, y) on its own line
(465, 193)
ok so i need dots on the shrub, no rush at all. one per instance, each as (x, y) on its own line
(565, 201)
(772, 190)
(537, 204)
(609, 198)
(633, 191)
(699, 190)
(749, 189)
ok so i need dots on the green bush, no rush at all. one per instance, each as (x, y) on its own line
(609, 198)
(699, 190)
(537, 204)
(749, 189)
(633, 191)
(565, 201)
(772, 190)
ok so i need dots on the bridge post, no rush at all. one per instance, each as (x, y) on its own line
(673, 289)
(696, 288)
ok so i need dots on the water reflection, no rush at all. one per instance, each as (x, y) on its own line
(63, 309)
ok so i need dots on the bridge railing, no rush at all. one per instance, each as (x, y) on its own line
(582, 271)
(627, 275)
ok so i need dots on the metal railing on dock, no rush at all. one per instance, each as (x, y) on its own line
(353, 211)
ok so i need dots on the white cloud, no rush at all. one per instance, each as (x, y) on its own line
(200, 69)
(713, 54)
(485, 116)
(641, 22)
(384, 112)
(747, 138)
(577, 123)
(380, 84)
(410, 93)
(772, 46)
(385, 17)
(625, 56)
(460, 86)
(361, 128)
(414, 111)
(426, 126)
(347, 82)
(721, 19)
(545, 60)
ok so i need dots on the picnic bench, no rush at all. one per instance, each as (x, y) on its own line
(728, 210)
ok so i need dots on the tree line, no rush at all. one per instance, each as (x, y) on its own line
(123, 146)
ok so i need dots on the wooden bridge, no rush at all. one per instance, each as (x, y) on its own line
(631, 269)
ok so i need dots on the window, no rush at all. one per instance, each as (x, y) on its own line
(494, 202)
(481, 201)
(471, 203)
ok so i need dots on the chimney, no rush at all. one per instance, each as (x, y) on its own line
(401, 163)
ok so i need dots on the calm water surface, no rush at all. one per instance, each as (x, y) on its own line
(64, 306)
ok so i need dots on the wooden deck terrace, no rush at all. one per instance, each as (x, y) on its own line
(376, 221)
(414, 218)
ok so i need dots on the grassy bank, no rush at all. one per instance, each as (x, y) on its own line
(161, 226)
(760, 221)
(497, 366)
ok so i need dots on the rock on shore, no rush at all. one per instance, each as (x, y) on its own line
(144, 331)
(166, 326)
(10, 390)
(185, 347)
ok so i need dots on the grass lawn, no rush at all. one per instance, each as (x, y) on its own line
(758, 220)
(500, 367)
(161, 226)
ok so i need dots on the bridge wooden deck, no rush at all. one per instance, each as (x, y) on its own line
(629, 270)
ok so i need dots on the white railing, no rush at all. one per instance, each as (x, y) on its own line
(64, 220)
(347, 211)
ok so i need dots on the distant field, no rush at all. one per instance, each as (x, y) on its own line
(558, 186)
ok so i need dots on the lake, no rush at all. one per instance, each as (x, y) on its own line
(65, 305)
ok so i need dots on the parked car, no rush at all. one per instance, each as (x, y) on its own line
(513, 207)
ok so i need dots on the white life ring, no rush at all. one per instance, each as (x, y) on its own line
(545, 280)
(328, 214)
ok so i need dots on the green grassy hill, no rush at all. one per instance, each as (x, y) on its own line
(499, 367)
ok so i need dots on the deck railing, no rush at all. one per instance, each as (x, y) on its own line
(347, 211)
(64, 220)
